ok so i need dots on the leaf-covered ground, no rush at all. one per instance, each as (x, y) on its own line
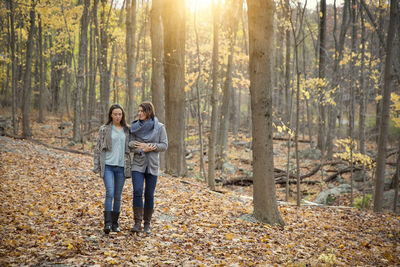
(51, 213)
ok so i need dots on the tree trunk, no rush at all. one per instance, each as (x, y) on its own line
(80, 79)
(227, 97)
(384, 122)
(26, 130)
(287, 65)
(130, 55)
(56, 75)
(260, 13)
(321, 75)
(42, 73)
(353, 88)
(14, 106)
(92, 72)
(199, 118)
(67, 84)
(157, 68)
(339, 47)
(214, 99)
(363, 90)
(397, 175)
(173, 17)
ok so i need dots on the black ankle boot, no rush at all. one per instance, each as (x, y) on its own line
(114, 226)
(107, 221)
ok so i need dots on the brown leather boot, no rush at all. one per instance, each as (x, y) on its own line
(147, 218)
(138, 217)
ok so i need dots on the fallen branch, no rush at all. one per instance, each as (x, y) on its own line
(286, 139)
(346, 170)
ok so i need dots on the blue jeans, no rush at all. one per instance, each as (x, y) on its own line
(138, 179)
(114, 180)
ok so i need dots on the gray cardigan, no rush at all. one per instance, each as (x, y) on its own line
(104, 144)
(150, 159)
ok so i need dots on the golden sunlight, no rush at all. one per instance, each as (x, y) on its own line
(201, 4)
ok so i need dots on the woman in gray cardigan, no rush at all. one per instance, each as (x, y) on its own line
(148, 137)
(112, 161)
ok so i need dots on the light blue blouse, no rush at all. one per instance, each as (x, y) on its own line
(115, 157)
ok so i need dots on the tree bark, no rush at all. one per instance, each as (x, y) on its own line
(261, 13)
(363, 90)
(26, 130)
(337, 111)
(227, 96)
(80, 79)
(384, 123)
(287, 66)
(14, 106)
(173, 17)
(130, 53)
(42, 73)
(321, 75)
(157, 67)
(199, 118)
(214, 99)
(92, 71)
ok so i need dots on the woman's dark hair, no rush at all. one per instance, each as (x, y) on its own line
(123, 120)
(148, 109)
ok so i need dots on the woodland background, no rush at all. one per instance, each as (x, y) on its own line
(303, 103)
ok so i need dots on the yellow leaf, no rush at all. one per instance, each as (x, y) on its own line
(70, 246)
(229, 236)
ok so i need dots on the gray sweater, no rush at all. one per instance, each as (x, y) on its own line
(141, 160)
(104, 144)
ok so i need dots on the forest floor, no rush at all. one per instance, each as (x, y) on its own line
(51, 207)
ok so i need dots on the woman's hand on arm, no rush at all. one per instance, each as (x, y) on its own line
(146, 147)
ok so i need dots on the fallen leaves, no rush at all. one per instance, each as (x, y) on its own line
(51, 212)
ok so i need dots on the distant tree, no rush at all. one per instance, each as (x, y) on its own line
(13, 66)
(321, 75)
(214, 99)
(384, 121)
(80, 79)
(130, 55)
(26, 130)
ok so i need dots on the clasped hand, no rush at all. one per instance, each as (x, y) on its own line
(144, 146)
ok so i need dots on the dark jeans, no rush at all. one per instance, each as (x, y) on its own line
(138, 179)
(114, 180)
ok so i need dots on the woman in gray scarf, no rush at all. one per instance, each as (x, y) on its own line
(147, 138)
